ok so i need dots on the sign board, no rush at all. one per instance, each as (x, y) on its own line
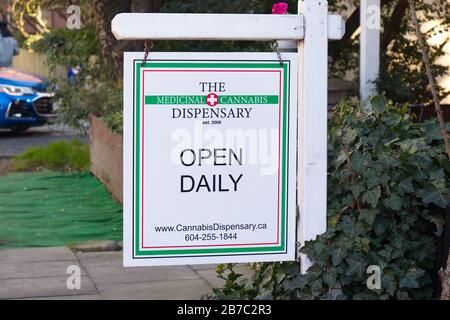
(209, 158)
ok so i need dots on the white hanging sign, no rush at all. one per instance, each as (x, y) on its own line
(209, 158)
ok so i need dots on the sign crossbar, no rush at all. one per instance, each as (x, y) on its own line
(245, 27)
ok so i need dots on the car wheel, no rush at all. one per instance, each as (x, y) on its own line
(20, 129)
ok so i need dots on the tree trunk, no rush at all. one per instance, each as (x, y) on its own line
(431, 79)
(110, 57)
(394, 24)
(444, 275)
(111, 50)
(140, 6)
(145, 6)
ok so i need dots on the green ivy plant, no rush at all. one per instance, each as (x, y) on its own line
(388, 178)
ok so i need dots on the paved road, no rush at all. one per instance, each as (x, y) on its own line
(41, 273)
(12, 144)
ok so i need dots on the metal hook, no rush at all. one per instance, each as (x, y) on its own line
(274, 46)
(147, 47)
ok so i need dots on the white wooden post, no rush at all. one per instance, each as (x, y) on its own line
(369, 48)
(312, 127)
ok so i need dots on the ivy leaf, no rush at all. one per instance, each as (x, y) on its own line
(340, 159)
(389, 283)
(365, 244)
(316, 284)
(349, 136)
(297, 283)
(380, 226)
(433, 131)
(434, 195)
(421, 161)
(372, 196)
(397, 241)
(372, 179)
(438, 221)
(378, 103)
(356, 189)
(411, 279)
(413, 146)
(360, 162)
(356, 160)
(384, 179)
(330, 278)
(333, 220)
(350, 227)
(368, 216)
(406, 186)
(403, 295)
(394, 202)
(356, 265)
(337, 255)
(437, 175)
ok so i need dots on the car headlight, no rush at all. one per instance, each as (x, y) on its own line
(16, 91)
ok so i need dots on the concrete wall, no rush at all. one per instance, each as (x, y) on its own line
(106, 156)
(31, 62)
(35, 62)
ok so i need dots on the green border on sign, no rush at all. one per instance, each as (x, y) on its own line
(283, 163)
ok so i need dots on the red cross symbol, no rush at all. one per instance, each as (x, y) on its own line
(212, 99)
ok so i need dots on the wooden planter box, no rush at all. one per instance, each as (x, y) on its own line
(106, 156)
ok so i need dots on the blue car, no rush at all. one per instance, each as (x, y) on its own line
(25, 100)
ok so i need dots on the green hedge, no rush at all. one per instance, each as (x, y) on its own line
(387, 176)
(58, 155)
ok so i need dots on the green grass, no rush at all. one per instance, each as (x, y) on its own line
(58, 156)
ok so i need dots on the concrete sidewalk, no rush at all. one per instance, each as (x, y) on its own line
(40, 273)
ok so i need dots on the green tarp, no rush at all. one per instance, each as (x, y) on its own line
(54, 209)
